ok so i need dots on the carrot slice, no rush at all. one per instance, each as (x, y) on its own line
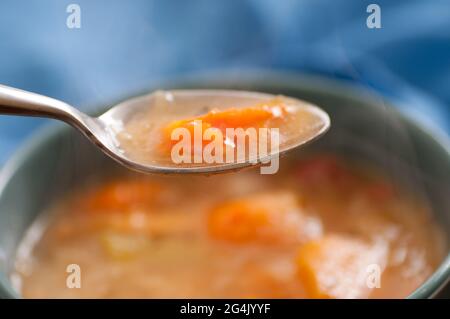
(338, 267)
(122, 196)
(264, 218)
(253, 116)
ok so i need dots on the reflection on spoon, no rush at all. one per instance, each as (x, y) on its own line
(186, 131)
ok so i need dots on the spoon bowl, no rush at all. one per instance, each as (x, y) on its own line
(106, 130)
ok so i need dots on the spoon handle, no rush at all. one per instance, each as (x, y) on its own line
(18, 102)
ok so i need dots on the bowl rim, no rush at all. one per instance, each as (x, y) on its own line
(274, 79)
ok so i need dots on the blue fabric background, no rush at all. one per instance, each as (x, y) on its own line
(126, 46)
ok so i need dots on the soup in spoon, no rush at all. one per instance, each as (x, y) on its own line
(215, 130)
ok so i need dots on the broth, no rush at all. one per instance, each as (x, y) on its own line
(316, 229)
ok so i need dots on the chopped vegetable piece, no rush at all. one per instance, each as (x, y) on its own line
(123, 246)
(122, 196)
(255, 116)
(266, 218)
(339, 267)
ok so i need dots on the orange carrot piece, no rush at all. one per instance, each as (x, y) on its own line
(337, 266)
(265, 218)
(252, 116)
(122, 196)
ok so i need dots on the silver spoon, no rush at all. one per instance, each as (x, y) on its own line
(102, 130)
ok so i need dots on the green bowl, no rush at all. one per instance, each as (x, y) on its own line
(58, 159)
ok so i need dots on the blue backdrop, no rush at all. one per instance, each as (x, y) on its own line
(125, 46)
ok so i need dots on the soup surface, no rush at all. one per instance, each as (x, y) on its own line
(320, 228)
